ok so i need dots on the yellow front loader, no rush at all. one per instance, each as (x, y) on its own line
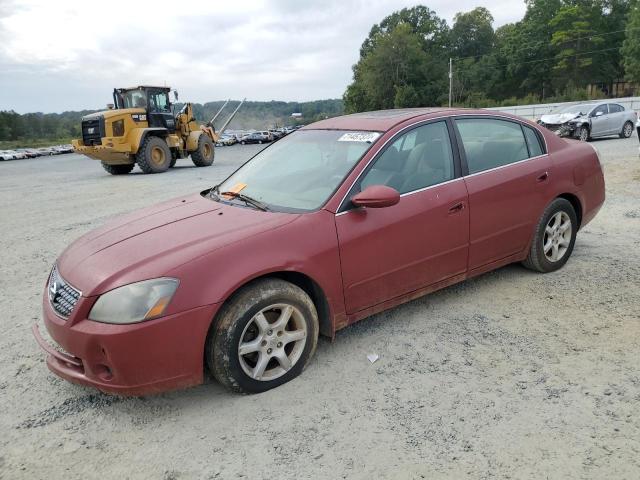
(141, 127)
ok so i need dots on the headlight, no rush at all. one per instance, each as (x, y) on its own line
(118, 128)
(134, 303)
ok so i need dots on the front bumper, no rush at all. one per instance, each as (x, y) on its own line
(136, 359)
(109, 151)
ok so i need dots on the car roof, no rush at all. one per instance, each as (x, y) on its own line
(380, 120)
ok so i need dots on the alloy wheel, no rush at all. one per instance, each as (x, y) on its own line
(557, 237)
(272, 342)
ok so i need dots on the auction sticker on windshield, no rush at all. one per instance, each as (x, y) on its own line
(366, 137)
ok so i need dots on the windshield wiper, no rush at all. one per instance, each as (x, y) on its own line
(246, 199)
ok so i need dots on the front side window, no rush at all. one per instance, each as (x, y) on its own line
(300, 171)
(418, 159)
(599, 111)
(491, 143)
(134, 99)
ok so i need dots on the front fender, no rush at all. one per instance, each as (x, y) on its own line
(290, 247)
(137, 136)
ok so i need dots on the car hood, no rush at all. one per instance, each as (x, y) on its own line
(152, 241)
(558, 118)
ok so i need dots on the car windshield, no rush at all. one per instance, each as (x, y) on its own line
(581, 109)
(300, 171)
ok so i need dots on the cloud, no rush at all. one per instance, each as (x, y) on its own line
(69, 54)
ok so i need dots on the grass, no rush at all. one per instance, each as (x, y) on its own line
(32, 143)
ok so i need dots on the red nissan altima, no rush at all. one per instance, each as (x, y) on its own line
(335, 222)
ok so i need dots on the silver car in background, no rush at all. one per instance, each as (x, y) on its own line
(590, 120)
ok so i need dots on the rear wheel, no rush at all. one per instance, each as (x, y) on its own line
(118, 169)
(203, 156)
(627, 130)
(554, 237)
(263, 337)
(154, 155)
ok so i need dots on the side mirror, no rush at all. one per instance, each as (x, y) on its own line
(376, 196)
(599, 114)
(175, 95)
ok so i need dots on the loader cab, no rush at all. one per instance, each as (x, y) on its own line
(155, 100)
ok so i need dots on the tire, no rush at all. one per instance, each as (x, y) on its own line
(627, 130)
(243, 142)
(118, 169)
(260, 142)
(583, 134)
(203, 155)
(551, 232)
(238, 322)
(154, 155)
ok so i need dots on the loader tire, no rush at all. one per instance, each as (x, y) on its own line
(154, 155)
(203, 155)
(118, 169)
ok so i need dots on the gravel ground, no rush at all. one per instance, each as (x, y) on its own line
(509, 375)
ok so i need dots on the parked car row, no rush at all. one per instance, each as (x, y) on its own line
(21, 153)
(262, 136)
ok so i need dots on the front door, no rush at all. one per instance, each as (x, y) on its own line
(388, 252)
(507, 180)
(600, 121)
(159, 110)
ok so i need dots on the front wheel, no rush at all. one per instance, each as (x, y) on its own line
(583, 134)
(154, 155)
(554, 237)
(263, 337)
(203, 156)
(118, 169)
(627, 130)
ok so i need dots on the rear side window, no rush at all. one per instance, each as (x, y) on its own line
(613, 108)
(490, 143)
(533, 141)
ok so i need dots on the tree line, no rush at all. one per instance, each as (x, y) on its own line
(552, 54)
(26, 129)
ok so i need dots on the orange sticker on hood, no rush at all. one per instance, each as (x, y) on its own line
(237, 188)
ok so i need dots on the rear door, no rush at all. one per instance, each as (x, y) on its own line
(507, 173)
(388, 252)
(617, 118)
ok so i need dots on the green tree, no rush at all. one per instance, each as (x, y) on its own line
(575, 27)
(402, 63)
(631, 46)
(472, 33)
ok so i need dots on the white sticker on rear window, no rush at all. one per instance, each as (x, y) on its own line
(366, 137)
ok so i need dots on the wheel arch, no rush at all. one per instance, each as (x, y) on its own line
(139, 135)
(308, 285)
(575, 203)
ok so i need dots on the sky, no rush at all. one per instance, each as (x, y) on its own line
(59, 55)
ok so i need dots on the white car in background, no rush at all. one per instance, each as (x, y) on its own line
(590, 120)
(11, 155)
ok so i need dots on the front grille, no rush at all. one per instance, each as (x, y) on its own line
(552, 126)
(63, 297)
(92, 131)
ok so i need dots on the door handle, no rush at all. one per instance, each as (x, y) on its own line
(543, 177)
(458, 207)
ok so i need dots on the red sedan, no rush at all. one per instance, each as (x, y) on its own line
(335, 222)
